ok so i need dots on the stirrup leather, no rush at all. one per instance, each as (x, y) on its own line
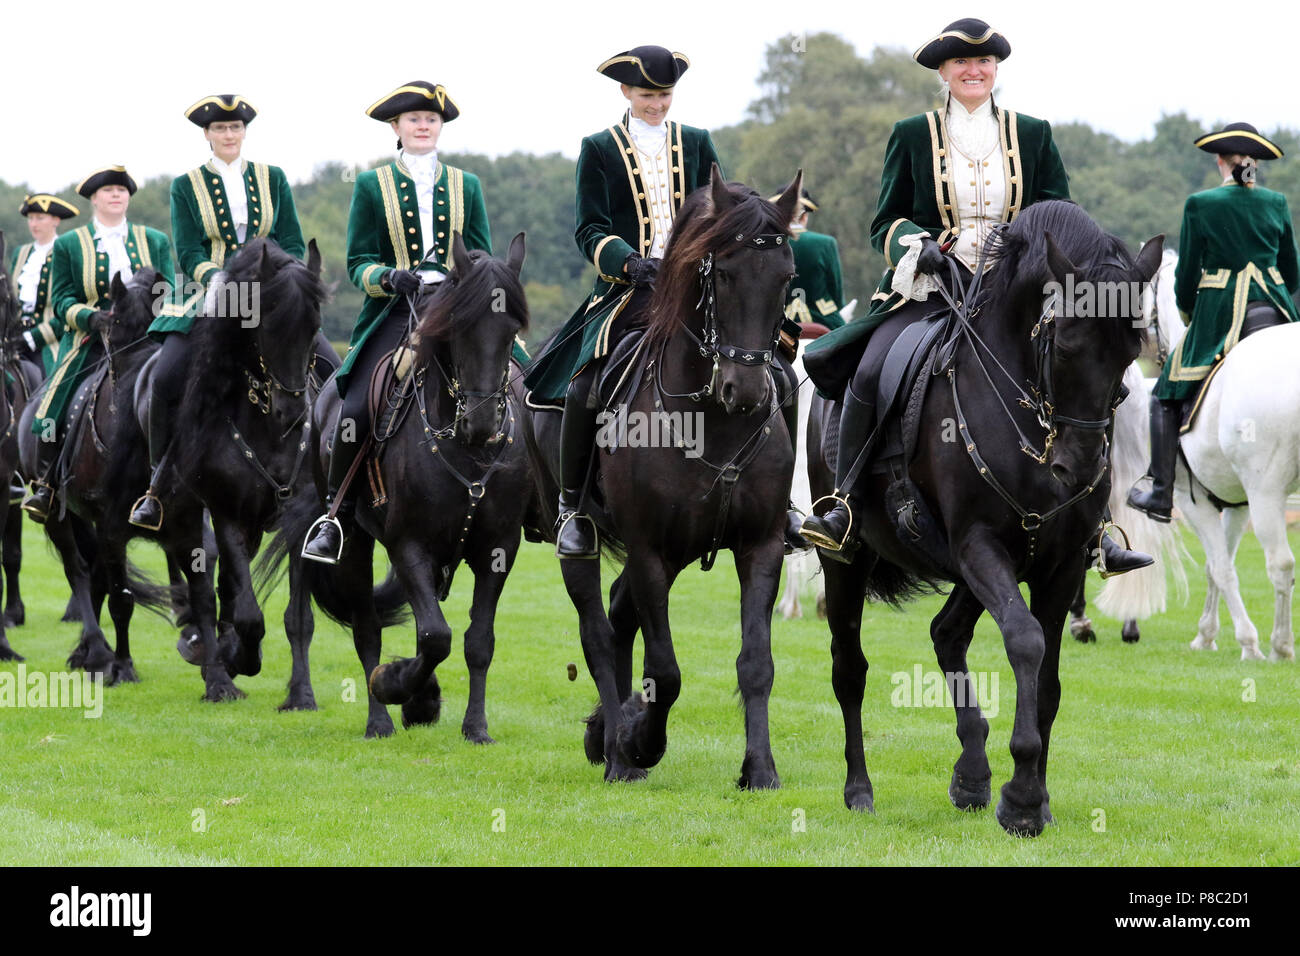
(311, 532)
(140, 501)
(821, 541)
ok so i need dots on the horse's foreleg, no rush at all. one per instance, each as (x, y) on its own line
(121, 608)
(15, 612)
(299, 625)
(1049, 605)
(412, 681)
(480, 638)
(243, 655)
(188, 546)
(642, 740)
(92, 651)
(846, 590)
(986, 568)
(1268, 515)
(354, 581)
(951, 632)
(759, 571)
(600, 738)
(1220, 535)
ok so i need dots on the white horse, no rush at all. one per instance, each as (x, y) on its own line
(1243, 450)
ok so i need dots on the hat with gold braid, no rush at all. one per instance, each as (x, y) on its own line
(414, 96)
(46, 203)
(108, 176)
(649, 67)
(969, 38)
(223, 107)
(1241, 139)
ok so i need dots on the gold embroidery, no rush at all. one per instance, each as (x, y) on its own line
(262, 175)
(393, 214)
(208, 215)
(1214, 280)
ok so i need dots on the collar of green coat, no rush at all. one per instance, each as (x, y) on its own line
(940, 154)
(402, 213)
(640, 195)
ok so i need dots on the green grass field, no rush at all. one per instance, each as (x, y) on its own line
(1156, 757)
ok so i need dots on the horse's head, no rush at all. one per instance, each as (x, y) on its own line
(724, 278)
(1090, 331)
(134, 303)
(466, 332)
(277, 299)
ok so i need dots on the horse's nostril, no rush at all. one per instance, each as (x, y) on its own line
(728, 393)
(1061, 473)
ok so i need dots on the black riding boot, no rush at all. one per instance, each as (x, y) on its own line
(1158, 503)
(147, 512)
(794, 541)
(575, 532)
(39, 502)
(830, 532)
(1116, 560)
(325, 538)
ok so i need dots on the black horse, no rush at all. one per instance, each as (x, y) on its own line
(999, 509)
(103, 460)
(681, 495)
(448, 483)
(243, 430)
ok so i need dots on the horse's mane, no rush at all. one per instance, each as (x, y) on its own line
(463, 299)
(219, 346)
(134, 320)
(1020, 249)
(697, 231)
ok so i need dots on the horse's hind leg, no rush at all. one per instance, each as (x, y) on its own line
(355, 583)
(299, 625)
(759, 571)
(951, 631)
(92, 651)
(15, 612)
(1080, 623)
(1268, 515)
(846, 589)
(121, 607)
(1220, 535)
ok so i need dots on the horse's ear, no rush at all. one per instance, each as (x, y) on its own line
(459, 255)
(789, 200)
(1057, 260)
(313, 259)
(264, 267)
(1149, 259)
(718, 191)
(117, 287)
(515, 255)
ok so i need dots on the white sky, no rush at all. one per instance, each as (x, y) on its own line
(524, 74)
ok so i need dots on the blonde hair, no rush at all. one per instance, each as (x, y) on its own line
(1243, 167)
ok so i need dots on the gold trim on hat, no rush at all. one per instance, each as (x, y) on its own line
(625, 58)
(219, 101)
(1228, 134)
(106, 169)
(960, 34)
(439, 95)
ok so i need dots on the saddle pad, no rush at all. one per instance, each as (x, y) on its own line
(614, 377)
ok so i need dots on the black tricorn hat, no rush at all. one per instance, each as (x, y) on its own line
(649, 67)
(44, 202)
(108, 176)
(223, 107)
(1239, 138)
(969, 37)
(414, 96)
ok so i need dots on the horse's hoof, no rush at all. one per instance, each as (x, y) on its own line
(593, 737)
(618, 773)
(190, 646)
(1020, 823)
(386, 684)
(124, 673)
(7, 653)
(1251, 653)
(969, 794)
(477, 736)
(297, 701)
(1276, 654)
(223, 691)
(421, 710)
(761, 780)
(858, 796)
(379, 728)
(1200, 644)
(1130, 632)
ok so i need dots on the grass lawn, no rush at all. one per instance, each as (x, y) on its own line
(1156, 757)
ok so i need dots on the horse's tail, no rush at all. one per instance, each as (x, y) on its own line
(151, 595)
(890, 584)
(1142, 593)
(322, 580)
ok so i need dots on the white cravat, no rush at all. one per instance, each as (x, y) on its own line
(651, 145)
(424, 170)
(29, 280)
(112, 240)
(232, 177)
(974, 132)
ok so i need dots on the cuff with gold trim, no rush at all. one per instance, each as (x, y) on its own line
(204, 270)
(370, 281)
(46, 332)
(78, 316)
(895, 248)
(610, 254)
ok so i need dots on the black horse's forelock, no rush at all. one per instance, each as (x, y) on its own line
(697, 231)
(491, 286)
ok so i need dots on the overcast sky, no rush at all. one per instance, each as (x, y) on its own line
(524, 74)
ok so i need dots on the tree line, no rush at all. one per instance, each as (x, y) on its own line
(822, 107)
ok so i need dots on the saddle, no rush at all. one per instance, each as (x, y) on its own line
(1259, 316)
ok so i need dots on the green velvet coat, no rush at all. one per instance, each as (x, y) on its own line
(206, 238)
(613, 221)
(384, 232)
(79, 287)
(917, 196)
(1236, 246)
(49, 327)
(816, 293)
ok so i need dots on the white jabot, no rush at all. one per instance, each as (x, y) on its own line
(112, 242)
(974, 132)
(232, 177)
(29, 280)
(424, 170)
(652, 156)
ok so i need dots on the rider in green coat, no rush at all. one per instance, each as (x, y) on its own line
(816, 293)
(29, 271)
(1237, 270)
